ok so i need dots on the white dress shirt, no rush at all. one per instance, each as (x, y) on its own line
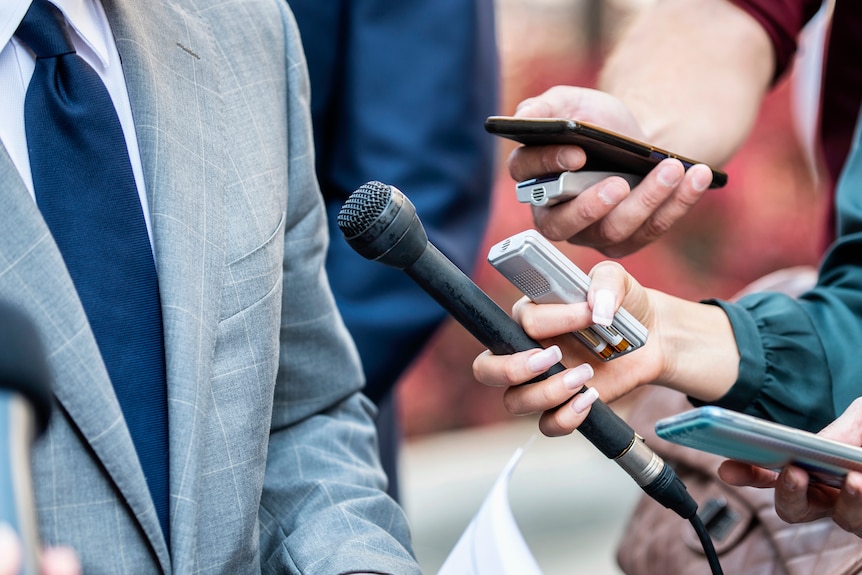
(92, 38)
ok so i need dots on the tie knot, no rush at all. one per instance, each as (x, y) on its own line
(43, 29)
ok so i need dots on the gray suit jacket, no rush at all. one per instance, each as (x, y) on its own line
(273, 463)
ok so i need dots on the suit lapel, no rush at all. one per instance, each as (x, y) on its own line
(170, 62)
(33, 276)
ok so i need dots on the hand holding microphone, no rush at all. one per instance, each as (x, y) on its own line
(381, 224)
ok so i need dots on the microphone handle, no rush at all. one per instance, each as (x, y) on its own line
(501, 334)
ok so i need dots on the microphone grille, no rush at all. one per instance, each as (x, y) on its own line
(363, 208)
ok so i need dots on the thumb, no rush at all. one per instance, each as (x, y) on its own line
(846, 428)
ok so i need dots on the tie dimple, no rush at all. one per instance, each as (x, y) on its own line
(39, 27)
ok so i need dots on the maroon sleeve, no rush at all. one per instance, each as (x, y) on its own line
(782, 20)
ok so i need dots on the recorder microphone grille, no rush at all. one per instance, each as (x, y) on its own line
(531, 283)
(537, 196)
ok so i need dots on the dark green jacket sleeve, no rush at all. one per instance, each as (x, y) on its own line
(801, 359)
(783, 370)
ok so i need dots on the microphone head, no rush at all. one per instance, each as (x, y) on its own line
(23, 364)
(380, 223)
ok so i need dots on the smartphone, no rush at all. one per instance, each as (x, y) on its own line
(606, 151)
(556, 188)
(545, 275)
(763, 443)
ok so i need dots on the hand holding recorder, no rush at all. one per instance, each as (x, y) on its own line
(690, 348)
(618, 214)
(545, 275)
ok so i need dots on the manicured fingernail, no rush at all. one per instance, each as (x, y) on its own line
(575, 378)
(603, 307)
(540, 362)
(584, 400)
(612, 193)
(669, 176)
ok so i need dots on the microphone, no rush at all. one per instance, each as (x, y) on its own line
(25, 406)
(380, 223)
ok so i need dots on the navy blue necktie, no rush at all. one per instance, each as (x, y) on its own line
(86, 192)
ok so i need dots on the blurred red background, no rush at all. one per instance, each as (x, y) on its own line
(769, 216)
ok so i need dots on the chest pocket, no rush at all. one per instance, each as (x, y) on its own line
(254, 275)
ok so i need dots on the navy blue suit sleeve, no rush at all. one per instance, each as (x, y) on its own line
(400, 92)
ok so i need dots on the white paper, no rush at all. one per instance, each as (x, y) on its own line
(492, 544)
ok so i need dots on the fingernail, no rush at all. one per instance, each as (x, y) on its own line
(701, 180)
(851, 484)
(540, 362)
(790, 481)
(669, 176)
(571, 158)
(611, 194)
(575, 378)
(584, 400)
(603, 307)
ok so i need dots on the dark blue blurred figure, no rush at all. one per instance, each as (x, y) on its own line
(400, 92)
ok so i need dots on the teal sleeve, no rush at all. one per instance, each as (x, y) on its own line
(801, 359)
(783, 374)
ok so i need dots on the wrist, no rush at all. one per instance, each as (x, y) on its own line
(698, 349)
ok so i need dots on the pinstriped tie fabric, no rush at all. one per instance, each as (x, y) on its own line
(86, 192)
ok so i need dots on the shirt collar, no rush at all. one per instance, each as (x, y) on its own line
(85, 16)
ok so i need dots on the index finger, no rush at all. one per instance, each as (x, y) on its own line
(742, 474)
(846, 428)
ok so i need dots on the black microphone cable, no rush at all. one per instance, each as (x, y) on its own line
(380, 223)
(706, 542)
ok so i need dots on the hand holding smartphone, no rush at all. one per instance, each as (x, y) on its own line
(762, 443)
(606, 151)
